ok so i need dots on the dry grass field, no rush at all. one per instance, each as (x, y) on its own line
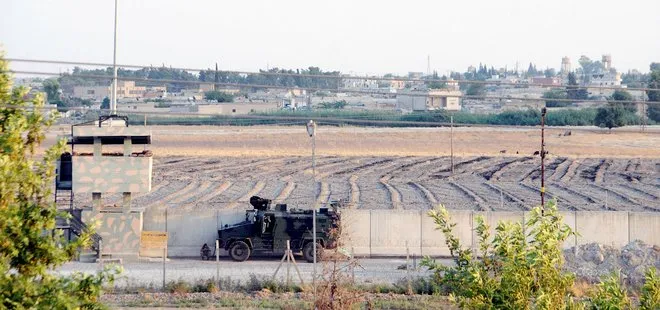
(403, 168)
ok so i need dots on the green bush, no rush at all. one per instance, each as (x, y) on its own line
(650, 298)
(610, 295)
(519, 268)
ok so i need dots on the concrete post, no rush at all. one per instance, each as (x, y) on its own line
(128, 146)
(98, 148)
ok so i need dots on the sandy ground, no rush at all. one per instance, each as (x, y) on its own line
(402, 168)
(357, 141)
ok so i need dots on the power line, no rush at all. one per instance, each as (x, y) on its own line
(330, 76)
(241, 85)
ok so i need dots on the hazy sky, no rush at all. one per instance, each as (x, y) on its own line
(366, 37)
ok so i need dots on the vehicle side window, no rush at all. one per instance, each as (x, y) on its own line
(269, 223)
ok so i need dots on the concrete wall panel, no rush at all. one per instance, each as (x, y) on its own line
(188, 232)
(645, 226)
(607, 227)
(356, 231)
(433, 241)
(390, 230)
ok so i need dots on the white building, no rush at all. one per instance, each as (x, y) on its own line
(440, 99)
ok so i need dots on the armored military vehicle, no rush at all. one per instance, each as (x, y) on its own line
(267, 228)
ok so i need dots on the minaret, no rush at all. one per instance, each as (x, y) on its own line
(217, 78)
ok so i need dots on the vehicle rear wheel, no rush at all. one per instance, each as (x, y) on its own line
(239, 251)
(308, 252)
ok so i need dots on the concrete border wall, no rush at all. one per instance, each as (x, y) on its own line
(376, 233)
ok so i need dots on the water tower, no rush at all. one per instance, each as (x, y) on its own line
(565, 65)
(607, 61)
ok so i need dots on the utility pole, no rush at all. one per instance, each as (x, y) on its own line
(113, 102)
(543, 112)
(451, 144)
(311, 130)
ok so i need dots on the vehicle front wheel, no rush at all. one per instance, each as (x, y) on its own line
(308, 252)
(239, 251)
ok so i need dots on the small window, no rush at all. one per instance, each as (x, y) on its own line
(233, 110)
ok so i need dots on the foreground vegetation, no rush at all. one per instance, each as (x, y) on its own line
(521, 267)
(29, 244)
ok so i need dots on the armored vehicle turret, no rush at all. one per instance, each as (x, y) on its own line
(267, 228)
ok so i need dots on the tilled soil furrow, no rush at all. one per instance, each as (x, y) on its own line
(587, 198)
(509, 198)
(215, 193)
(618, 195)
(431, 202)
(323, 195)
(393, 194)
(446, 169)
(601, 169)
(258, 186)
(355, 192)
(640, 190)
(450, 196)
(548, 195)
(481, 205)
(561, 170)
(368, 166)
(408, 171)
(570, 172)
(551, 168)
(172, 190)
(286, 191)
(510, 169)
(185, 192)
(411, 199)
(195, 194)
(495, 170)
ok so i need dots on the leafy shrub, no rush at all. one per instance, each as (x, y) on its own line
(650, 298)
(609, 294)
(519, 268)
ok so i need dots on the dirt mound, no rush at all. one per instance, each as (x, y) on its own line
(593, 261)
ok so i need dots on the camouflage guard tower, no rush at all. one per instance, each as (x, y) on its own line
(102, 173)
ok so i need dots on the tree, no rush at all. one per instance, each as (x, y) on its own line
(654, 95)
(555, 94)
(105, 105)
(337, 105)
(550, 72)
(476, 90)
(218, 96)
(610, 116)
(622, 95)
(28, 249)
(52, 89)
(573, 92)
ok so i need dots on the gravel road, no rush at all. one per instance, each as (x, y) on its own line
(379, 270)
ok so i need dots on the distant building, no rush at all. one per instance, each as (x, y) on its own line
(610, 79)
(415, 75)
(607, 61)
(442, 99)
(565, 66)
(125, 89)
(553, 81)
(353, 83)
